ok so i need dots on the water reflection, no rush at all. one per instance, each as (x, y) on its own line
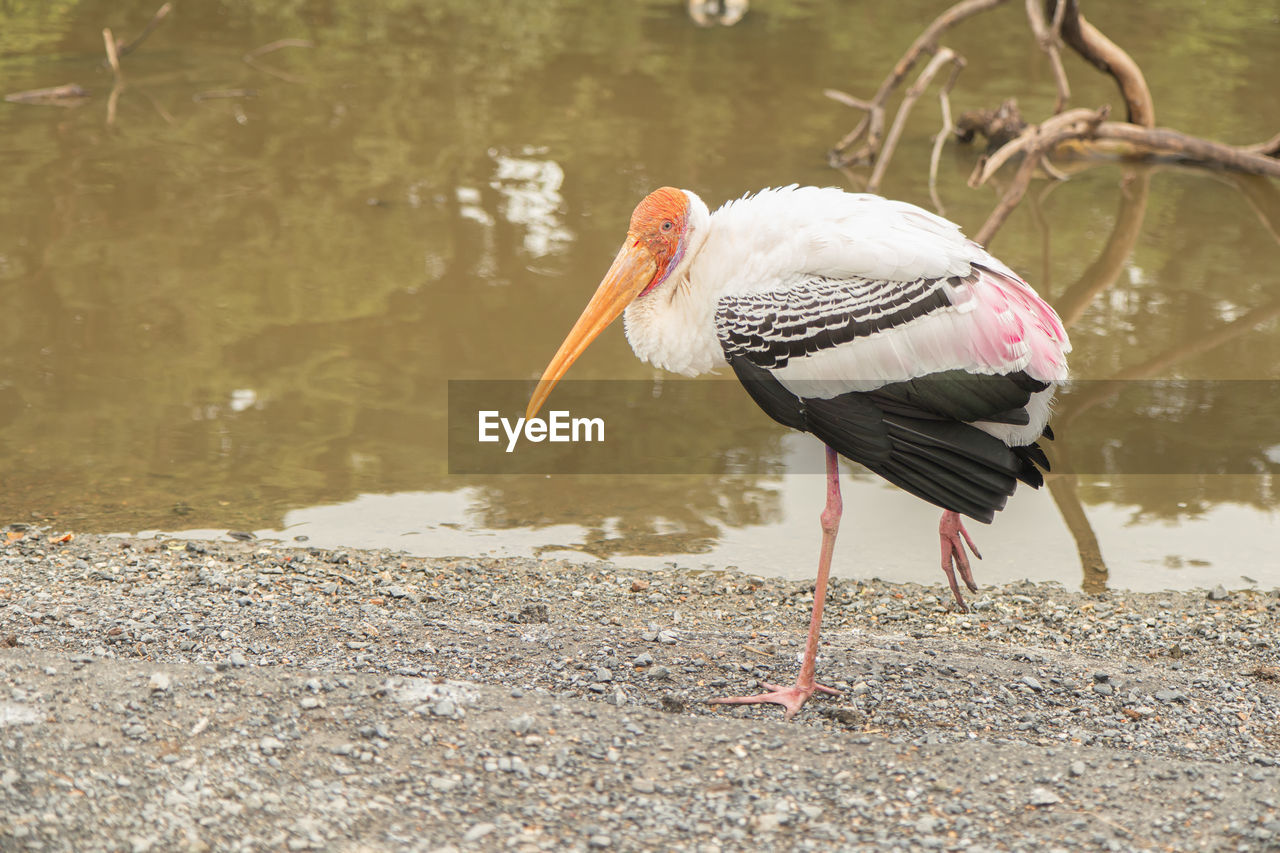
(244, 312)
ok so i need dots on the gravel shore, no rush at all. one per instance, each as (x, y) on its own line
(171, 695)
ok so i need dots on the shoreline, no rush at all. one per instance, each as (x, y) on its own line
(237, 695)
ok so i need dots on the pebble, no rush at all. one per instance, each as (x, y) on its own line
(1043, 797)
(478, 831)
(233, 756)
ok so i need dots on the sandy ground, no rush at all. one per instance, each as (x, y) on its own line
(166, 695)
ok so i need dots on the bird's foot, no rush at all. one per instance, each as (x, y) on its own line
(954, 537)
(791, 698)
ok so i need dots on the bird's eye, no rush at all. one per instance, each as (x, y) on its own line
(667, 225)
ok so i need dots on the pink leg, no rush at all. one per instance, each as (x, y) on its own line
(793, 697)
(954, 537)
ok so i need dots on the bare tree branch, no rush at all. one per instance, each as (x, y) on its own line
(872, 124)
(1088, 41)
(941, 58)
(156, 19)
(1048, 41)
(1164, 142)
(1062, 126)
(947, 129)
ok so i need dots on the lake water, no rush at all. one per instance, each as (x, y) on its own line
(235, 299)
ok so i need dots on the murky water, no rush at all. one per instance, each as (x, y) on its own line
(234, 294)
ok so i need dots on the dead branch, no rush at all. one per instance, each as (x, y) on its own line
(944, 101)
(872, 124)
(847, 99)
(1053, 22)
(1039, 141)
(118, 85)
(999, 126)
(113, 57)
(1270, 148)
(1175, 145)
(1104, 54)
(1069, 125)
(941, 58)
(69, 95)
(156, 19)
(1048, 38)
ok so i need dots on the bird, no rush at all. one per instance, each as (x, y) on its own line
(870, 323)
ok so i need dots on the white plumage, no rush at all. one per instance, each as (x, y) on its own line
(872, 324)
(779, 241)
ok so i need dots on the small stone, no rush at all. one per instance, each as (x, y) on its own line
(1033, 683)
(1169, 694)
(270, 745)
(1103, 689)
(1219, 593)
(660, 672)
(238, 659)
(600, 842)
(604, 674)
(521, 725)
(159, 683)
(532, 614)
(309, 703)
(444, 708)
(768, 822)
(480, 830)
(643, 786)
(667, 638)
(1043, 797)
(642, 659)
(1077, 768)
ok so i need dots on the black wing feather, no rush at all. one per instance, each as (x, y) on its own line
(907, 436)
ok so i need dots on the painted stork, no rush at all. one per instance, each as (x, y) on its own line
(870, 323)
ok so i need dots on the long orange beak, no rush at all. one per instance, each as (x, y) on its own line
(632, 270)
